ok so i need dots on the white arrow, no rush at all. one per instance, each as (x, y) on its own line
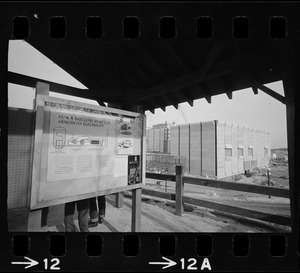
(30, 263)
(169, 263)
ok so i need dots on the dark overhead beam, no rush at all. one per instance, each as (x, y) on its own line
(101, 103)
(183, 96)
(255, 90)
(260, 86)
(78, 70)
(172, 99)
(189, 78)
(229, 95)
(154, 102)
(208, 98)
(151, 110)
(166, 100)
(219, 69)
(95, 94)
(160, 104)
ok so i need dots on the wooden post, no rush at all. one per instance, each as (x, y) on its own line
(179, 190)
(136, 210)
(34, 222)
(37, 219)
(268, 173)
(291, 86)
(137, 193)
(119, 199)
(4, 126)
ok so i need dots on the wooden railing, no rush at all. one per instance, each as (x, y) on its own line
(179, 197)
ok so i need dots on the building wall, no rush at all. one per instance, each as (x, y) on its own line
(195, 148)
(208, 148)
(230, 136)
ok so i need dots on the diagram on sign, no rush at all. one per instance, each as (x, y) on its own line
(125, 139)
(62, 138)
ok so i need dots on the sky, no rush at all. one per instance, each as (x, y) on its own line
(259, 111)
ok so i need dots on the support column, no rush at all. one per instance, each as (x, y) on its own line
(179, 191)
(136, 210)
(291, 85)
(37, 219)
(137, 193)
(4, 127)
(119, 196)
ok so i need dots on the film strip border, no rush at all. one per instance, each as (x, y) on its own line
(118, 251)
(152, 252)
(177, 21)
(167, 27)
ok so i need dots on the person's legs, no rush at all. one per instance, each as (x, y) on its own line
(69, 214)
(102, 207)
(83, 214)
(93, 210)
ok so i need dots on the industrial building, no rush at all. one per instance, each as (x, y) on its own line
(213, 148)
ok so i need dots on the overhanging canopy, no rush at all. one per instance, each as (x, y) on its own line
(155, 72)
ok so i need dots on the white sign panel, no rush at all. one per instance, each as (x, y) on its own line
(80, 145)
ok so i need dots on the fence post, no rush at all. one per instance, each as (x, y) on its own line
(179, 190)
(119, 200)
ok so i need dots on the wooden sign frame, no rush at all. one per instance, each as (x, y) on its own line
(45, 107)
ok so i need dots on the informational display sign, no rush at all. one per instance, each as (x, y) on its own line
(84, 150)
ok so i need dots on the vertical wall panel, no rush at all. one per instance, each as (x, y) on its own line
(147, 140)
(260, 148)
(156, 140)
(161, 140)
(151, 135)
(234, 149)
(228, 141)
(208, 148)
(185, 145)
(174, 143)
(241, 145)
(195, 148)
(255, 148)
(221, 149)
(20, 136)
(246, 143)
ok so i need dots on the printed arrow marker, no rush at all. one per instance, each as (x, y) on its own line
(169, 263)
(30, 263)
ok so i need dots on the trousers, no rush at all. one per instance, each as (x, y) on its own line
(83, 215)
(96, 213)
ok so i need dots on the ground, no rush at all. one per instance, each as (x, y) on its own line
(158, 215)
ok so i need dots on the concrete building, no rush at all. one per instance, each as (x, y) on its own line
(216, 149)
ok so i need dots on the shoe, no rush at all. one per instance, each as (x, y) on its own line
(92, 224)
(100, 220)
